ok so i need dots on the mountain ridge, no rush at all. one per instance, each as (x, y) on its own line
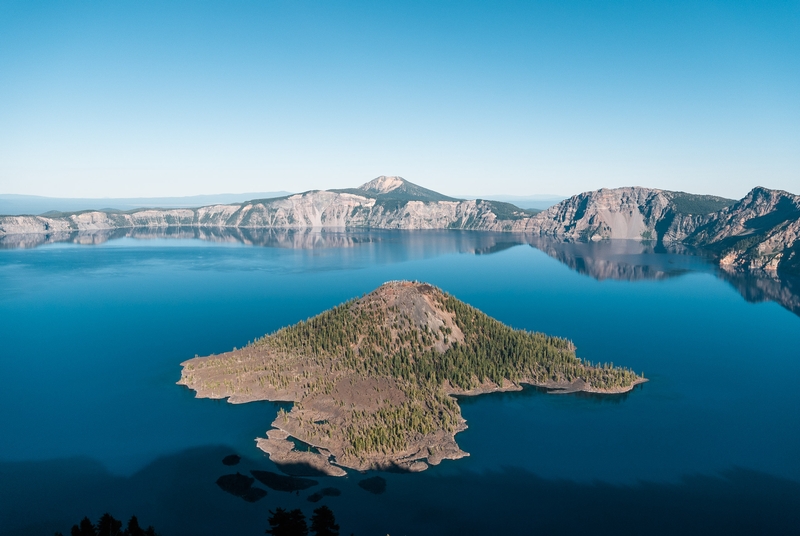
(759, 232)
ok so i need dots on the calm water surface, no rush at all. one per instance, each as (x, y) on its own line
(92, 421)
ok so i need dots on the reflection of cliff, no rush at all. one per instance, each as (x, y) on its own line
(630, 260)
(755, 289)
(424, 243)
(624, 260)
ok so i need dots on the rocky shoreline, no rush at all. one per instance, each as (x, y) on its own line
(282, 451)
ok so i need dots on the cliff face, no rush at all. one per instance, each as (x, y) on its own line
(384, 203)
(631, 213)
(760, 232)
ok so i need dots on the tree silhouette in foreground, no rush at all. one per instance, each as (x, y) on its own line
(283, 523)
(323, 523)
(108, 526)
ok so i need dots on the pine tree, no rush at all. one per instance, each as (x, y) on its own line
(323, 523)
(283, 523)
(108, 526)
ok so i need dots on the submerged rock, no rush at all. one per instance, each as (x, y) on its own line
(282, 482)
(241, 486)
(324, 492)
(231, 459)
(375, 485)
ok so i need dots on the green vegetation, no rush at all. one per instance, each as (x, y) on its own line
(374, 339)
(684, 203)
(374, 376)
(507, 211)
(372, 343)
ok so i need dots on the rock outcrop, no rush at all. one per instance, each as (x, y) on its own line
(631, 213)
(760, 232)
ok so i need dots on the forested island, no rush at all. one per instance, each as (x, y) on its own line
(373, 380)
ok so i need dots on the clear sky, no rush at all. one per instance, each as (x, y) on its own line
(153, 98)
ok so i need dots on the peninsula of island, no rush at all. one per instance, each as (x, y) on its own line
(373, 381)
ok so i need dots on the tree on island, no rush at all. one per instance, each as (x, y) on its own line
(283, 523)
(323, 523)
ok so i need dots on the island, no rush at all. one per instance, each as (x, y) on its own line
(373, 382)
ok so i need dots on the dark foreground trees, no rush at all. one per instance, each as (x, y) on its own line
(108, 526)
(323, 523)
(293, 523)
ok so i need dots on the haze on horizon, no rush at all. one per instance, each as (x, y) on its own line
(146, 99)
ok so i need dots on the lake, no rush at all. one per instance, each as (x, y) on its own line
(95, 326)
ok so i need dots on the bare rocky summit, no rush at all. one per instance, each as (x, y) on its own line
(372, 379)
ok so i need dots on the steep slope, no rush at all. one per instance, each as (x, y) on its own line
(371, 379)
(631, 213)
(760, 232)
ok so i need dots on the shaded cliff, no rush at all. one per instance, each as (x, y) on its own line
(760, 232)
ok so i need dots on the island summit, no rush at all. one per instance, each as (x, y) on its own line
(373, 380)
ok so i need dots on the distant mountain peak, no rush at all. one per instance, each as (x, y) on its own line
(383, 184)
(397, 189)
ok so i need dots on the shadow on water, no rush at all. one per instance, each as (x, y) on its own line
(531, 391)
(179, 496)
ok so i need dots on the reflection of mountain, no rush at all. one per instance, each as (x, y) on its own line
(755, 289)
(427, 243)
(631, 260)
(624, 260)
(760, 233)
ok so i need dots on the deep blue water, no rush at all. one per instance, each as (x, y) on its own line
(92, 337)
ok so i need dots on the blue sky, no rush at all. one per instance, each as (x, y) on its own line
(138, 98)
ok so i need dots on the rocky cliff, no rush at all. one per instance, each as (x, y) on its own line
(760, 232)
(384, 203)
(631, 213)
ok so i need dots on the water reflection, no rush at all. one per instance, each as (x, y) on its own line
(435, 240)
(624, 260)
(177, 493)
(631, 260)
